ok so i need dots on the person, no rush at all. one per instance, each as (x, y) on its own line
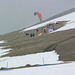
(53, 27)
(37, 30)
(27, 34)
(33, 34)
(44, 30)
(47, 26)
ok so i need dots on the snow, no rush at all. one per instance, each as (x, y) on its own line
(3, 51)
(63, 69)
(70, 25)
(32, 59)
(2, 42)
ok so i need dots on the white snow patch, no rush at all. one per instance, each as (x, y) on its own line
(4, 51)
(2, 42)
(63, 69)
(32, 59)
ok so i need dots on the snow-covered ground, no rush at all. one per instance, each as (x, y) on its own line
(63, 69)
(49, 57)
(32, 59)
(2, 42)
(3, 51)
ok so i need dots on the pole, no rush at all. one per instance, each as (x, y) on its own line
(7, 65)
(43, 60)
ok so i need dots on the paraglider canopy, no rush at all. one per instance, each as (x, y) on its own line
(39, 15)
(50, 30)
(40, 34)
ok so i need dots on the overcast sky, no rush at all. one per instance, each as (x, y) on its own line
(18, 14)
